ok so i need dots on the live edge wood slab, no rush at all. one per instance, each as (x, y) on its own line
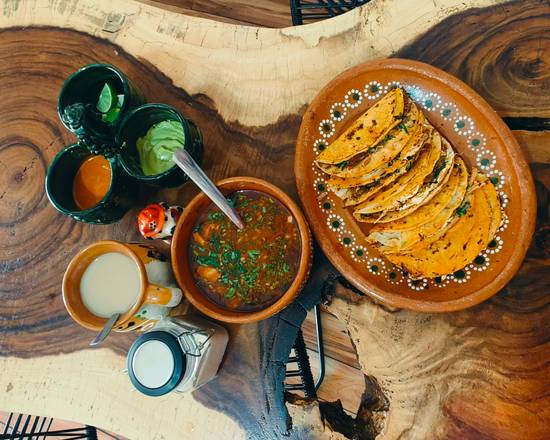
(482, 373)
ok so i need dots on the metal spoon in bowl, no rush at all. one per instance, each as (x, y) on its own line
(184, 160)
(105, 330)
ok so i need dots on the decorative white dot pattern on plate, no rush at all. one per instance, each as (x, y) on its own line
(326, 128)
(419, 284)
(461, 276)
(441, 281)
(376, 265)
(495, 245)
(373, 90)
(319, 145)
(497, 178)
(359, 253)
(338, 111)
(393, 276)
(480, 263)
(485, 159)
(353, 98)
(504, 223)
(464, 125)
(336, 223)
(476, 141)
(448, 110)
(503, 199)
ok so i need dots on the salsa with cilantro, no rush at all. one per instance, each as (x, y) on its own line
(247, 269)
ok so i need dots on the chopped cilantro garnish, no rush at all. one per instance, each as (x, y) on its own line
(230, 293)
(253, 254)
(207, 260)
(253, 264)
(462, 209)
(215, 215)
(386, 138)
(439, 166)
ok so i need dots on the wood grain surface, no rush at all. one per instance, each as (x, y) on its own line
(481, 373)
(28, 147)
(502, 53)
(268, 13)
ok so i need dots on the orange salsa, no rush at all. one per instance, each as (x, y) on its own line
(91, 182)
(251, 268)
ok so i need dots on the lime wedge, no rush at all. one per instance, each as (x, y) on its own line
(107, 98)
(111, 115)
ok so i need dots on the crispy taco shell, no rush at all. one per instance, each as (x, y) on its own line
(414, 143)
(462, 242)
(367, 130)
(429, 188)
(393, 196)
(381, 153)
(430, 219)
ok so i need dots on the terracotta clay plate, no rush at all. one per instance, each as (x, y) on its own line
(478, 135)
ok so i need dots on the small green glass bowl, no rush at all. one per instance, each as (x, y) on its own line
(59, 188)
(136, 124)
(84, 86)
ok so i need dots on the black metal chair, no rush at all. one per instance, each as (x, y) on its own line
(304, 10)
(301, 360)
(19, 427)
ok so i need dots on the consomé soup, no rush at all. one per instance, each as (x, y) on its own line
(246, 269)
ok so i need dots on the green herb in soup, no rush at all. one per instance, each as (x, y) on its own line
(251, 268)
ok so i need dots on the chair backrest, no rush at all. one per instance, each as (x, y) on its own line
(304, 10)
(26, 427)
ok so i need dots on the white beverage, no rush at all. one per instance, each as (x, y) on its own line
(110, 284)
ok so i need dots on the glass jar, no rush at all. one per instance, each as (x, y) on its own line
(178, 354)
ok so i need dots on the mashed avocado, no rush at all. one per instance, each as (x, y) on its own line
(157, 146)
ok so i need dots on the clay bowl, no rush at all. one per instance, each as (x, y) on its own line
(181, 263)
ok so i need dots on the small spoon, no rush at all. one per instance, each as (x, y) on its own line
(184, 160)
(105, 330)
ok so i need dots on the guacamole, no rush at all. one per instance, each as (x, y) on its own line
(157, 146)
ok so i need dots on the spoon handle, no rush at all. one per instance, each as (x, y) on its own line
(105, 330)
(184, 160)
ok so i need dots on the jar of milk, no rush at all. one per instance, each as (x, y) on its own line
(178, 354)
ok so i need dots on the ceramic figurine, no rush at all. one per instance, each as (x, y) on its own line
(158, 220)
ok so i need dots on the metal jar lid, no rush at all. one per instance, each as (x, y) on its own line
(156, 363)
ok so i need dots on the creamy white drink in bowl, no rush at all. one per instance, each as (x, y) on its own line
(109, 277)
(110, 284)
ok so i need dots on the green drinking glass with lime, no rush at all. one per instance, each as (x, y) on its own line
(93, 101)
(149, 135)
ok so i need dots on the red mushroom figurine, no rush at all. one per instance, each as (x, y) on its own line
(158, 220)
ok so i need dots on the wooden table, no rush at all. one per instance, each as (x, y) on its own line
(479, 373)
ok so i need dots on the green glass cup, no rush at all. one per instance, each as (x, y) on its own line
(136, 124)
(59, 188)
(78, 101)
